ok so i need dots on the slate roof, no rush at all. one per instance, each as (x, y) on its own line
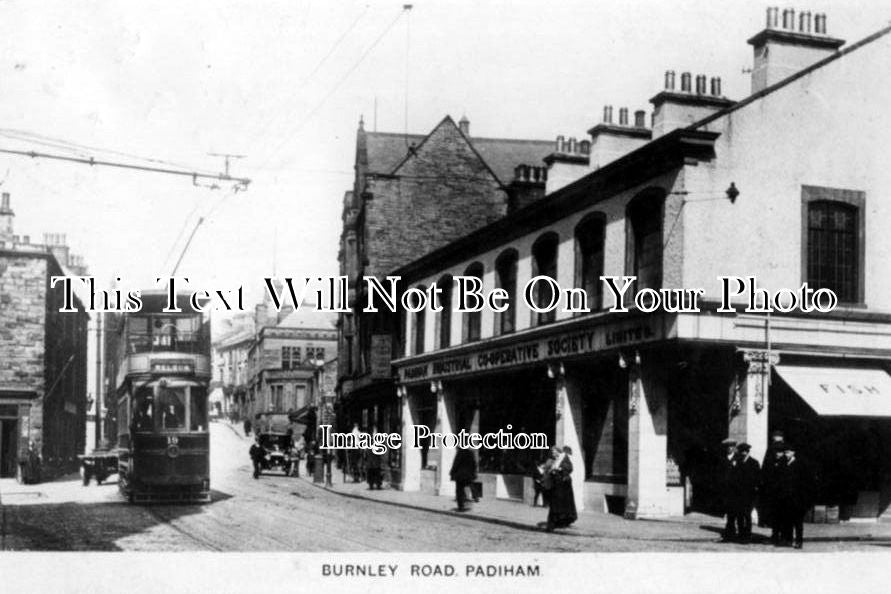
(386, 150)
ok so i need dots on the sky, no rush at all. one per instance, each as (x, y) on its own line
(285, 83)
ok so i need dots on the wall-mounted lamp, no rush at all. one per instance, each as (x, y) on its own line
(732, 193)
(401, 392)
(436, 387)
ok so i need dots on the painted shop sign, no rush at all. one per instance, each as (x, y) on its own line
(381, 349)
(565, 344)
(172, 366)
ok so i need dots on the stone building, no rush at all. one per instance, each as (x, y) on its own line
(413, 194)
(283, 357)
(787, 185)
(43, 368)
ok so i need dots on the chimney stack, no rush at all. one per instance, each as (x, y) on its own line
(785, 48)
(464, 126)
(6, 218)
(678, 109)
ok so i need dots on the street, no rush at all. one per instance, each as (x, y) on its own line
(279, 513)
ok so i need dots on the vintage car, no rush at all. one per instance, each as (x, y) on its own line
(280, 452)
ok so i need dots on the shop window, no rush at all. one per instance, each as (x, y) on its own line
(506, 278)
(589, 245)
(472, 322)
(833, 241)
(644, 246)
(444, 318)
(544, 263)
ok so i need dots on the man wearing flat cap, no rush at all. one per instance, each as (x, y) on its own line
(794, 486)
(744, 478)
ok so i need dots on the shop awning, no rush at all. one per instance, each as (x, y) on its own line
(839, 391)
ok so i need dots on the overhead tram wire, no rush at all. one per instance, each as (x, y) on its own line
(343, 36)
(334, 89)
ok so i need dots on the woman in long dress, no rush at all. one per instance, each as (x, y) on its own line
(561, 512)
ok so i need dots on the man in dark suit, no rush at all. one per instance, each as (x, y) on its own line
(743, 488)
(727, 466)
(794, 487)
(463, 473)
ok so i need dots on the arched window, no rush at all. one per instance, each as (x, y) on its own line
(589, 242)
(472, 322)
(506, 278)
(444, 318)
(644, 245)
(833, 248)
(544, 263)
(420, 318)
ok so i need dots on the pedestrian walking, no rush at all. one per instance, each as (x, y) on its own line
(794, 486)
(727, 467)
(311, 460)
(31, 463)
(745, 473)
(258, 453)
(247, 427)
(561, 506)
(463, 473)
(375, 470)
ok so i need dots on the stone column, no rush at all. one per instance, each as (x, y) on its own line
(647, 442)
(411, 456)
(568, 431)
(445, 423)
(748, 401)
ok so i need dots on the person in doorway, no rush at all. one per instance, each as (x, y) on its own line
(257, 454)
(31, 463)
(247, 427)
(743, 489)
(561, 507)
(727, 467)
(463, 473)
(794, 487)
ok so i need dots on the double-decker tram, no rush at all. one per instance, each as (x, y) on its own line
(163, 372)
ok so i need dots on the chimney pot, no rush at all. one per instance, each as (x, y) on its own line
(559, 147)
(669, 80)
(773, 14)
(608, 114)
(686, 79)
(572, 146)
(640, 119)
(716, 86)
(623, 116)
(804, 22)
(700, 84)
(5, 203)
(821, 24)
(789, 19)
(464, 125)
(26, 239)
(585, 147)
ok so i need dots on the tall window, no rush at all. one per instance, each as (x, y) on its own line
(277, 392)
(472, 322)
(290, 357)
(644, 216)
(544, 263)
(506, 278)
(589, 242)
(444, 318)
(420, 319)
(833, 241)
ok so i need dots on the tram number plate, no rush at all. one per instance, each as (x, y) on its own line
(172, 440)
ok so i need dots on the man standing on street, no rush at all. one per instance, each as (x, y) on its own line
(463, 473)
(743, 488)
(793, 497)
(257, 454)
(727, 466)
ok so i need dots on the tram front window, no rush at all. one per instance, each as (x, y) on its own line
(198, 408)
(143, 409)
(171, 408)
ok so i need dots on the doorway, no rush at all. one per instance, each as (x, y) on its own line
(8, 447)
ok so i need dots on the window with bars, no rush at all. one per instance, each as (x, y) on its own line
(833, 248)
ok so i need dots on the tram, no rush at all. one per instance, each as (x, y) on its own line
(162, 376)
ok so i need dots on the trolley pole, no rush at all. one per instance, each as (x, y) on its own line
(100, 377)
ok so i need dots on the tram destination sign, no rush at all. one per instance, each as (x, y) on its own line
(172, 366)
(565, 344)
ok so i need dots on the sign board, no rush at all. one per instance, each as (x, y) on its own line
(381, 352)
(565, 344)
(172, 366)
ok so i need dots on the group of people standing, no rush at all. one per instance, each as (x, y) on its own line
(781, 487)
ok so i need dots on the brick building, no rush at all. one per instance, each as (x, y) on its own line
(787, 185)
(413, 194)
(43, 368)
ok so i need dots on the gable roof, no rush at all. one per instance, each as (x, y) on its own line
(385, 151)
